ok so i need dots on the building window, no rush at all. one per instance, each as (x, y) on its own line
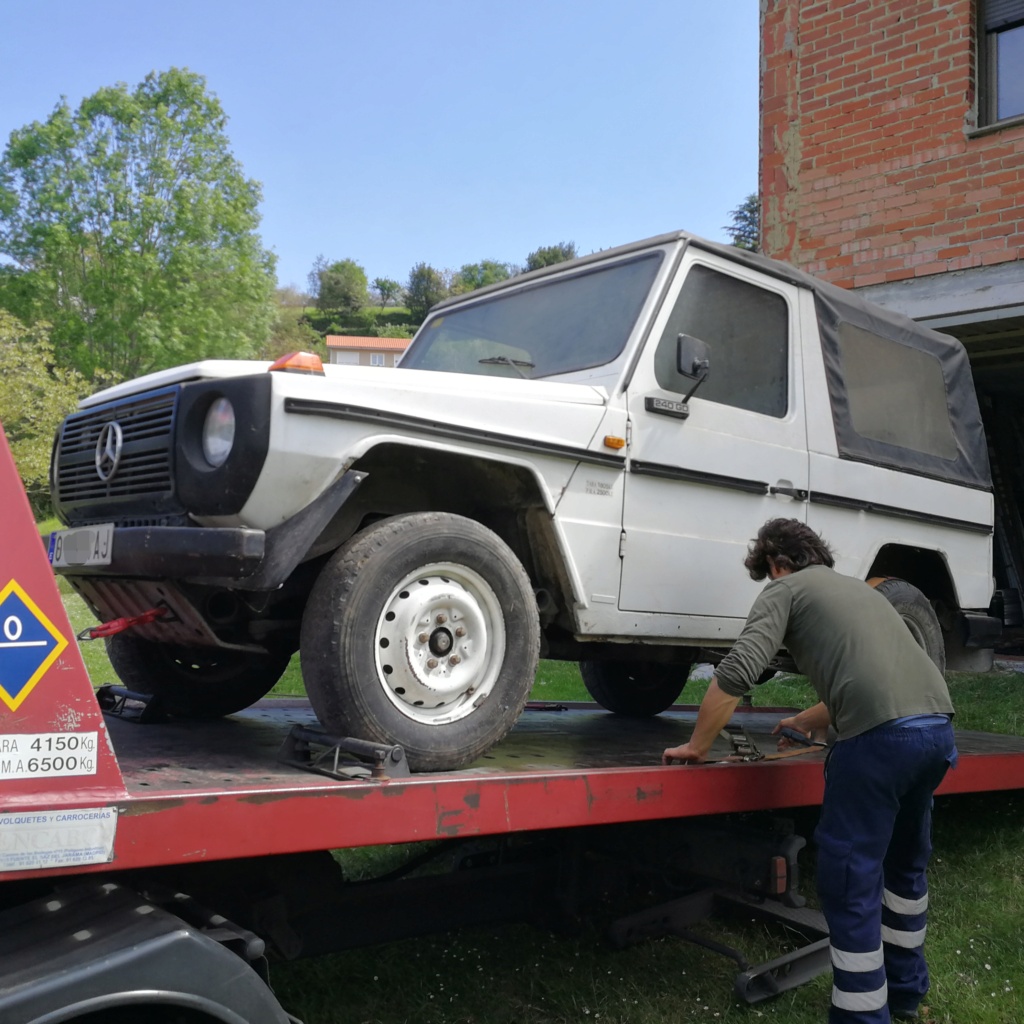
(376, 358)
(1001, 60)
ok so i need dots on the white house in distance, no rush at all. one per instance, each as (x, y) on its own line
(365, 351)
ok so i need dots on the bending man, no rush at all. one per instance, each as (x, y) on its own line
(891, 710)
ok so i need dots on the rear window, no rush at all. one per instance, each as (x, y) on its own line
(896, 394)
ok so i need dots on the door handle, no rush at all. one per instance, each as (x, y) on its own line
(791, 492)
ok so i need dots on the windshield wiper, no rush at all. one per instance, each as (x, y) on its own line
(516, 364)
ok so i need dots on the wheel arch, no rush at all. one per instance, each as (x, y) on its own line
(508, 496)
(925, 568)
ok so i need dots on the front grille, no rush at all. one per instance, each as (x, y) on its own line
(145, 470)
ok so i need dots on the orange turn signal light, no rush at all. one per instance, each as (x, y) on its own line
(611, 441)
(299, 362)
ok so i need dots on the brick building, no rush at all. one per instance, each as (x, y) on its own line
(892, 157)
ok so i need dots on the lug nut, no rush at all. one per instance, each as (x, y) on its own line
(460, 631)
(431, 662)
(454, 660)
(441, 618)
(423, 638)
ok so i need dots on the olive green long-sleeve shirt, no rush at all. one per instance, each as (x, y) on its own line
(848, 640)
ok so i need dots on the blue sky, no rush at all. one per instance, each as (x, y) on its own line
(447, 131)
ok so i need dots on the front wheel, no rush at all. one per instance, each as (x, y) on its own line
(918, 615)
(195, 682)
(422, 631)
(639, 689)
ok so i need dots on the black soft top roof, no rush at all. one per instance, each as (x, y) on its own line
(836, 306)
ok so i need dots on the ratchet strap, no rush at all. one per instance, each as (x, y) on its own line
(120, 625)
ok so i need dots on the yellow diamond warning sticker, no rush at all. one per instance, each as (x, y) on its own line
(29, 644)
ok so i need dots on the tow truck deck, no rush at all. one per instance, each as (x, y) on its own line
(104, 817)
(219, 790)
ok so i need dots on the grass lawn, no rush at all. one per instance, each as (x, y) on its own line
(518, 975)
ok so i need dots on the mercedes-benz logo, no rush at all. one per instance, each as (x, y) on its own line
(108, 450)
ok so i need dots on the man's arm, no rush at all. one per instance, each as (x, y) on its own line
(715, 711)
(760, 638)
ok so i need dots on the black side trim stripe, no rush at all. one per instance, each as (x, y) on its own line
(732, 483)
(839, 501)
(735, 483)
(382, 418)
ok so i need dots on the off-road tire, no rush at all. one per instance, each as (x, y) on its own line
(380, 630)
(639, 689)
(200, 682)
(916, 611)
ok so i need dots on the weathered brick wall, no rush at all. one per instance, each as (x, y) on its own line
(868, 173)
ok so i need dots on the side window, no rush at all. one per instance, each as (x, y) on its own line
(746, 329)
(896, 394)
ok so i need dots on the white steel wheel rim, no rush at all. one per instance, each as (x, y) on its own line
(440, 643)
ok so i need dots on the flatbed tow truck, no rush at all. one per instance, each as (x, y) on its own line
(149, 868)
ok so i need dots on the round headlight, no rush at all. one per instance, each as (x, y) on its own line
(219, 432)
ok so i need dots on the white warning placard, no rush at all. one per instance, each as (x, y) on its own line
(30, 840)
(34, 755)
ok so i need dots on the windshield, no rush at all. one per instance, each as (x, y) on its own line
(549, 328)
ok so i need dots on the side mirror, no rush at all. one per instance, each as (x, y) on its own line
(692, 357)
(692, 360)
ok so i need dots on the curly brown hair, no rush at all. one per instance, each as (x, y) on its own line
(790, 544)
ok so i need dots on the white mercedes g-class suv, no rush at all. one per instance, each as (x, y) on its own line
(567, 465)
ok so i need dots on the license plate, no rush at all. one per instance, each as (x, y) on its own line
(86, 545)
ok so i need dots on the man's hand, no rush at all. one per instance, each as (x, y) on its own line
(812, 723)
(790, 723)
(685, 753)
(714, 713)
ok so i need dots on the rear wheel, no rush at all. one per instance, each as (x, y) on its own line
(919, 616)
(637, 689)
(198, 682)
(422, 631)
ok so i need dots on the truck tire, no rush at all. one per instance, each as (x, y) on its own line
(422, 631)
(917, 612)
(200, 682)
(638, 689)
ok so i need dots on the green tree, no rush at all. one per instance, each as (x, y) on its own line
(35, 395)
(292, 332)
(478, 275)
(387, 290)
(745, 229)
(425, 288)
(342, 286)
(549, 255)
(320, 264)
(132, 230)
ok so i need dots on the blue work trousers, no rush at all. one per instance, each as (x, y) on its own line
(874, 841)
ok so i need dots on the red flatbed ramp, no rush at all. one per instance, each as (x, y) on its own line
(216, 790)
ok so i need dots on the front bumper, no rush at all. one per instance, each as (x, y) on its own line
(236, 557)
